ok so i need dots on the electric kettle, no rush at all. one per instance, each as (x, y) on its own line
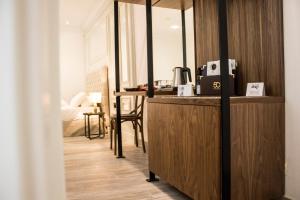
(181, 76)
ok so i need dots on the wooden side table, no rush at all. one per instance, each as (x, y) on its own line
(87, 125)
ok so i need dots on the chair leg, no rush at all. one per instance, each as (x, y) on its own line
(115, 136)
(142, 135)
(133, 126)
(111, 134)
(136, 138)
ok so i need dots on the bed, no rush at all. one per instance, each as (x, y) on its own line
(73, 120)
(72, 113)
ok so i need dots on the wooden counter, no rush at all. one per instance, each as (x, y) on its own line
(184, 145)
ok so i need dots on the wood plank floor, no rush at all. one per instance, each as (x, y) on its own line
(92, 172)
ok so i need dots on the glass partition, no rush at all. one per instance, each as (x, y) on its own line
(168, 42)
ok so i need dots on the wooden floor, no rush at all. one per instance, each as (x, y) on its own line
(93, 172)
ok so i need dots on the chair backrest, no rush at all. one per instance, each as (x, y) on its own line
(139, 106)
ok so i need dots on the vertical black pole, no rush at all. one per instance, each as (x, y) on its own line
(225, 102)
(149, 47)
(152, 177)
(195, 39)
(184, 38)
(117, 69)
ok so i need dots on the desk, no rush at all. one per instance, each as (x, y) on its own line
(135, 93)
(118, 122)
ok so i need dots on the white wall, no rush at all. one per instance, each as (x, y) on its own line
(139, 16)
(167, 42)
(292, 73)
(167, 54)
(98, 43)
(72, 66)
(95, 45)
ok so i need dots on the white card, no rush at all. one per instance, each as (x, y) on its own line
(255, 90)
(185, 90)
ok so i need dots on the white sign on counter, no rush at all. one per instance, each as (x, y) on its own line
(255, 90)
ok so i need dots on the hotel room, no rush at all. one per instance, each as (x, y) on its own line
(149, 99)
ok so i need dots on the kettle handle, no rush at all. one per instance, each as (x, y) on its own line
(188, 70)
(190, 74)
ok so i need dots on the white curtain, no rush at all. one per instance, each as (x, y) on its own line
(292, 59)
(31, 148)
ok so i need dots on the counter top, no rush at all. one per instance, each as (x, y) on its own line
(144, 93)
(212, 101)
(133, 93)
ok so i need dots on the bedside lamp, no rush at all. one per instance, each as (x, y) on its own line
(96, 98)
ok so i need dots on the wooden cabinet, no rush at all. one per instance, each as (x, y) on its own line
(257, 150)
(184, 146)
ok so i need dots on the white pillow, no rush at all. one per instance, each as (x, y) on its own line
(77, 100)
(86, 102)
(64, 103)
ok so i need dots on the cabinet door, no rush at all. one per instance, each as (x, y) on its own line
(184, 147)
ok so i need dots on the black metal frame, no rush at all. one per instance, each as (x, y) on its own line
(195, 45)
(152, 177)
(225, 95)
(183, 38)
(117, 71)
(117, 65)
(149, 48)
(225, 103)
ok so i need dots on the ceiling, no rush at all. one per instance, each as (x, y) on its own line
(164, 19)
(75, 12)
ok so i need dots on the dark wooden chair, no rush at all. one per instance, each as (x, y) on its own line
(136, 118)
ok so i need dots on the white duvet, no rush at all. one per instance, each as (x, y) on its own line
(74, 113)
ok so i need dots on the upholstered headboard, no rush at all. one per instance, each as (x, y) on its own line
(97, 81)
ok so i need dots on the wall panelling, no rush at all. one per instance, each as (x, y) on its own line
(255, 32)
